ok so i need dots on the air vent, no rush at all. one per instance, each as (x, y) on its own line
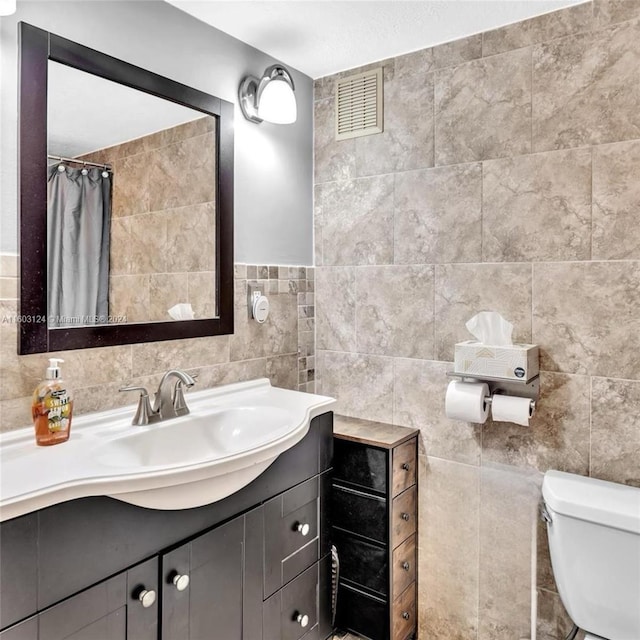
(359, 105)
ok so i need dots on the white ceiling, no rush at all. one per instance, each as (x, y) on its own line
(322, 37)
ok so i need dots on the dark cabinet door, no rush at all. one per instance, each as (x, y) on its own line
(202, 586)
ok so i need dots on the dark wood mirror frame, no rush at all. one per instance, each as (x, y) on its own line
(37, 47)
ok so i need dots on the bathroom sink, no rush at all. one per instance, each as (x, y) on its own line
(232, 434)
(194, 439)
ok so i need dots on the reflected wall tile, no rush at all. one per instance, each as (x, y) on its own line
(463, 290)
(587, 317)
(202, 294)
(407, 140)
(558, 434)
(419, 392)
(483, 109)
(129, 297)
(146, 244)
(606, 12)
(586, 87)
(283, 371)
(394, 310)
(334, 159)
(615, 430)
(358, 221)
(616, 201)
(119, 257)
(548, 26)
(362, 384)
(191, 238)
(537, 207)
(158, 357)
(553, 621)
(438, 215)
(131, 190)
(448, 551)
(165, 291)
(458, 51)
(508, 518)
(336, 308)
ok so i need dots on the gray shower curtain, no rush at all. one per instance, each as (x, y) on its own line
(78, 222)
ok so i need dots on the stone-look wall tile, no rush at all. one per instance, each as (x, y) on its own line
(544, 571)
(438, 215)
(15, 413)
(151, 357)
(456, 52)
(281, 325)
(202, 294)
(138, 244)
(336, 308)
(191, 238)
(464, 290)
(419, 391)
(8, 265)
(358, 221)
(616, 201)
(483, 109)
(557, 436)
(407, 140)
(9, 288)
(508, 518)
(129, 298)
(587, 317)
(409, 64)
(537, 207)
(548, 26)
(334, 159)
(448, 551)
(131, 190)
(607, 12)
(283, 371)
(165, 291)
(553, 621)
(362, 384)
(247, 341)
(586, 89)
(230, 372)
(615, 430)
(394, 310)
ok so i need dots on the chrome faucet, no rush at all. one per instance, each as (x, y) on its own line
(168, 403)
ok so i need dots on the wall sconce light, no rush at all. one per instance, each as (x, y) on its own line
(7, 7)
(270, 98)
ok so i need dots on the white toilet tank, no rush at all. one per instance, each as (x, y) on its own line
(594, 538)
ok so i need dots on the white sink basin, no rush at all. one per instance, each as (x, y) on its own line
(232, 434)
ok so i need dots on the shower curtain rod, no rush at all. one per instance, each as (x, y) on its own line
(93, 164)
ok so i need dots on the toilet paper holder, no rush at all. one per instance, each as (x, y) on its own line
(522, 388)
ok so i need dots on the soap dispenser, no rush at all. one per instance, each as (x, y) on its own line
(52, 407)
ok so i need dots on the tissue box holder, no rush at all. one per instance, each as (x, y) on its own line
(511, 362)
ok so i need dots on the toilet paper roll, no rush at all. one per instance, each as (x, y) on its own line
(511, 409)
(467, 401)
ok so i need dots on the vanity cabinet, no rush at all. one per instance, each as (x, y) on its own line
(254, 566)
(374, 516)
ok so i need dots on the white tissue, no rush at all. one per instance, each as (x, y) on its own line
(181, 311)
(467, 401)
(511, 409)
(489, 327)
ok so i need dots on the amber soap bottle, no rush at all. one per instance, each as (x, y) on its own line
(52, 407)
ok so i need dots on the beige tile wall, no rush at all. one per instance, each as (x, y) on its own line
(281, 349)
(163, 222)
(507, 178)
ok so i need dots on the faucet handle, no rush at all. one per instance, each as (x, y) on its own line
(144, 411)
(179, 403)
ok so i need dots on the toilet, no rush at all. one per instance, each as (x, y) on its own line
(594, 538)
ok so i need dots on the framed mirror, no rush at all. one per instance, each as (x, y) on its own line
(126, 202)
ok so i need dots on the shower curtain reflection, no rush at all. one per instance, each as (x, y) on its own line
(78, 221)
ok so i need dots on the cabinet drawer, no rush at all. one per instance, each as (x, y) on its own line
(359, 464)
(360, 513)
(364, 563)
(292, 612)
(362, 614)
(404, 566)
(403, 615)
(404, 466)
(403, 517)
(291, 540)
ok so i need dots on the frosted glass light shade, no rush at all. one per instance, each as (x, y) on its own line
(277, 102)
(7, 7)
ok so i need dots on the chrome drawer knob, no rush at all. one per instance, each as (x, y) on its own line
(405, 516)
(180, 582)
(147, 597)
(405, 615)
(405, 566)
(406, 466)
(302, 620)
(303, 528)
